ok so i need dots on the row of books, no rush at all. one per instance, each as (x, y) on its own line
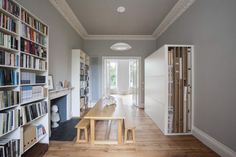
(29, 93)
(32, 78)
(10, 6)
(10, 120)
(8, 98)
(179, 90)
(29, 33)
(9, 147)
(32, 62)
(33, 111)
(32, 48)
(8, 23)
(8, 41)
(27, 18)
(7, 58)
(8, 77)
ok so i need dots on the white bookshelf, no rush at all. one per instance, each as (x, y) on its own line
(80, 61)
(159, 90)
(17, 133)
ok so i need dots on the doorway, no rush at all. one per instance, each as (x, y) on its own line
(121, 76)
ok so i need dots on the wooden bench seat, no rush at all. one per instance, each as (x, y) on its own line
(129, 129)
(82, 125)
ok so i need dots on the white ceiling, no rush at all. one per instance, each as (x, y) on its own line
(142, 17)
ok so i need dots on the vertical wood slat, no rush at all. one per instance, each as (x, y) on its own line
(176, 82)
(180, 89)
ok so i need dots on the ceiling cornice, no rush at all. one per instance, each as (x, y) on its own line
(65, 10)
(179, 8)
(119, 37)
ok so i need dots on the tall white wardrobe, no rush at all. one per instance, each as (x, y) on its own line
(169, 88)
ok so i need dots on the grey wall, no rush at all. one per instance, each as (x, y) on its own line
(99, 48)
(210, 25)
(62, 37)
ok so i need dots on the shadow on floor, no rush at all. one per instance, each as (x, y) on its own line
(66, 131)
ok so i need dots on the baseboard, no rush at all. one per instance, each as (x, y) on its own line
(212, 143)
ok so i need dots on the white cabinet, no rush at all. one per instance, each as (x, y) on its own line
(168, 88)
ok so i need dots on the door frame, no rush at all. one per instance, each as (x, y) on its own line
(139, 59)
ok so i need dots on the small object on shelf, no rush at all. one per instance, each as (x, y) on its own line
(50, 82)
(55, 118)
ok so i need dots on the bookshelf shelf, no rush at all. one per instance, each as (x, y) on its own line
(8, 49)
(32, 121)
(31, 69)
(34, 84)
(11, 37)
(8, 66)
(9, 32)
(7, 133)
(10, 107)
(34, 42)
(33, 55)
(9, 14)
(33, 100)
(9, 86)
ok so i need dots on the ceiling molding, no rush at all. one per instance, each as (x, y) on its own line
(65, 10)
(119, 37)
(179, 8)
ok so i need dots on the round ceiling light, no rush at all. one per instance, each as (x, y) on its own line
(121, 9)
(120, 47)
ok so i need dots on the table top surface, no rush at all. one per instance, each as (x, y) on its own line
(102, 111)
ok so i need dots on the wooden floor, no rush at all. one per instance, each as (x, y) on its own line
(150, 142)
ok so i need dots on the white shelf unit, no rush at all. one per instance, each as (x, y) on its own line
(162, 84)
(17, 133)
(80, 82)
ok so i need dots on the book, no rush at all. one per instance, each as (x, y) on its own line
(8, 98)
(8, 23)
(31, 62)
(32, 78)
(30, 93)
(9, 59)
(8, 41)
(34, 110)
(10, 120)
(8, 77)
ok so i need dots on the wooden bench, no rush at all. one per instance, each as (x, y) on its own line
(82, 125)
(129, 129)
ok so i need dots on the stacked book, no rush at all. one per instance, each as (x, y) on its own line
(33, 111)
(7, 23)
(30, 93)
(33, 22)
(33, 62)
(9, 59)
(29, 33)
(31, 78)
(8, 41)
(10, 120)
(9, 147)
(32, 48)
(8, 77)
(8, 99)
(10, 7)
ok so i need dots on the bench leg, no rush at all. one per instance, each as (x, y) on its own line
(86, 134)
(133, 132)
(78, 135)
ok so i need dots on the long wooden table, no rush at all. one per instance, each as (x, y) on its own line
(103, 112)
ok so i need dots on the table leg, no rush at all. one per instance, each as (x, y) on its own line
(92, 130)
(120, 123)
